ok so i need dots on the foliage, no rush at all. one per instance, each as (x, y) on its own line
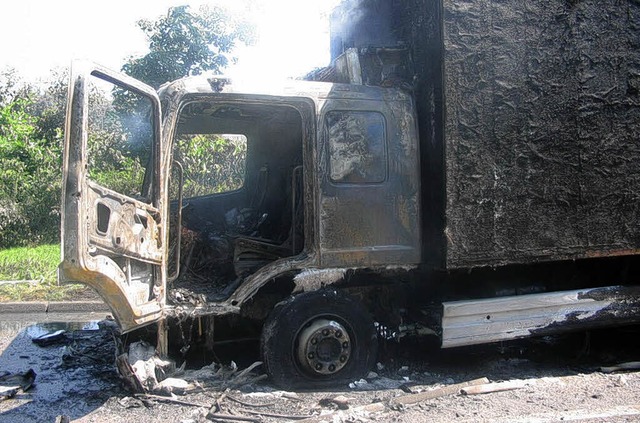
(187, 43)
(9, 86)
(48, 103)
(116, 156)
(212, 163)
(114, 167)
(32, 118)
(30, 178)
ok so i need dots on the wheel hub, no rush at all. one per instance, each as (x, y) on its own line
(324, 347)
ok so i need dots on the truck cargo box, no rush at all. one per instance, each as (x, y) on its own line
(542, 130)
(529, 116)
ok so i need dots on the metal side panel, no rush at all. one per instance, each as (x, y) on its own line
(472, 322)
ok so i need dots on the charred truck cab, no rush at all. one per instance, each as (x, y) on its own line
(316, 211)
(328, 181)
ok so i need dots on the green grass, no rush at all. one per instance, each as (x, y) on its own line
(38, 264)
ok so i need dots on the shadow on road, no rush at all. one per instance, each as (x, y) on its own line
(74, 374)
(548, 356)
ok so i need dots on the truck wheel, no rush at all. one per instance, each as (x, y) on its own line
(318, 339)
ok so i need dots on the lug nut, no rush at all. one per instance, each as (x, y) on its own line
(338, 334)
(314, 341)
(332, 368)
(343, 359)
(345, 345)
(318, 366)
(311, 355)
(325, 332)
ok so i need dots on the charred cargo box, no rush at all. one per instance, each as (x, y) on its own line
(542, 130)
(529, 116)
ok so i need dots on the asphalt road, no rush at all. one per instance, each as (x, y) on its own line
(76, 378)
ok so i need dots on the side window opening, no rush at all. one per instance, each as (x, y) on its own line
(212, 163)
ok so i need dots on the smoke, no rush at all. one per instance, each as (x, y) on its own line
(361, 23)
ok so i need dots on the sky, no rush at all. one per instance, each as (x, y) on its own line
(41, 35)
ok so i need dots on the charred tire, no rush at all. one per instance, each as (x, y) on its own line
(318, 339)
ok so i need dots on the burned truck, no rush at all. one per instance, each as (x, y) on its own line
(472, 175)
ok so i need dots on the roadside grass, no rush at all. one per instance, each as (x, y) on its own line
(30, 274)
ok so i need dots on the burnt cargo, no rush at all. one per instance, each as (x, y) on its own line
(529, 117)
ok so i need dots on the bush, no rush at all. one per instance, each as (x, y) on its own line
(30, 179)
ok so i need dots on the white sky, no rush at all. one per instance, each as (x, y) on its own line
(40, 35)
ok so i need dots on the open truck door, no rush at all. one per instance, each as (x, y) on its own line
(113, 228)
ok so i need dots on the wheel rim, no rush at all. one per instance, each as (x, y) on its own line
(324, 347)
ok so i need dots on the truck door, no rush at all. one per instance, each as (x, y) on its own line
(369, 183)
(113, 219)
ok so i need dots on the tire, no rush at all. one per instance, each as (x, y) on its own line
(318, 339)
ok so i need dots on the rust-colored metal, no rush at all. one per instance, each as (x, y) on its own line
(112, 242)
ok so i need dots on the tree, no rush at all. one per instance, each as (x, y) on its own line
(48, 104)
(185, 43)
(45, 101)
(31, 121)
(9, 85)
(182, 43)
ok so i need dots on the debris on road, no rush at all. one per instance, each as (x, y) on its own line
(12, 383)
(493, 387)
(358, 384)
(49, 338)
(396, 404)
(354, 414)
(145, 372)
(407, 400)
(219, 416)
(95, 349)
(341, 402)
(79, 371)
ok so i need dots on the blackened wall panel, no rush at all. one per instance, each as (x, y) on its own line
(609, 123)
(542, 129)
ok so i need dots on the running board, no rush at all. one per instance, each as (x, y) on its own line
(472, 322)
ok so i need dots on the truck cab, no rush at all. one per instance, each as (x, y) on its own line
(317, 178)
